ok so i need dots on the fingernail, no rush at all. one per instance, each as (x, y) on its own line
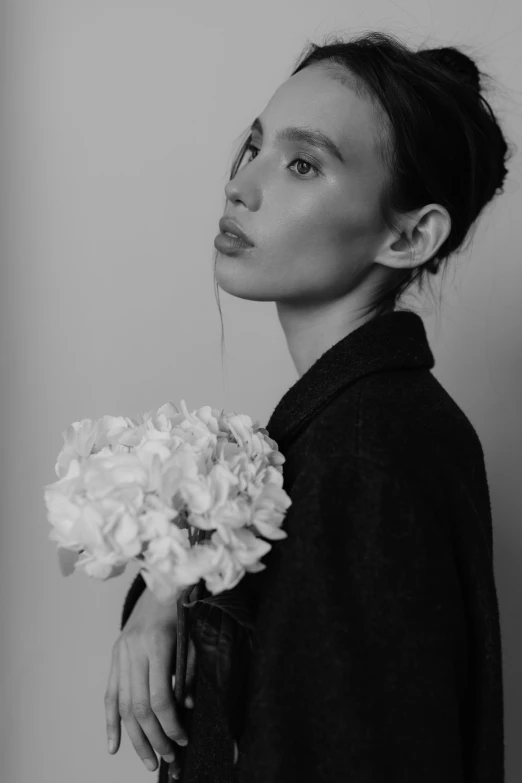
(183, 741)
(169, 757)
(111, 745)
(189, 702)
(151, 766)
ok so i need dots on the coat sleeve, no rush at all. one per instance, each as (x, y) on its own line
(362, 660)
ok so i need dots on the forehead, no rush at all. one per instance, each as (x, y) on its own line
(313, 98)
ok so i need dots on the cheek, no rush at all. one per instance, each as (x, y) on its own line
(330, 247)
(349, 227)
(344, 212)
(358, 214)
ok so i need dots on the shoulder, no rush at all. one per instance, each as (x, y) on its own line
(397, 418)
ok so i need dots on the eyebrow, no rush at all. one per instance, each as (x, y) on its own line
(315, 138)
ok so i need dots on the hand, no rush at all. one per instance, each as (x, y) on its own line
(140, 689)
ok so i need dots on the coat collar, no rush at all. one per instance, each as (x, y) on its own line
(391, 341)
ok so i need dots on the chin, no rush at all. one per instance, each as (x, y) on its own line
(237, 279)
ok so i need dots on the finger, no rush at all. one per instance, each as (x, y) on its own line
(162, 698)
(144, 704)
(141, 744)
(112, 715)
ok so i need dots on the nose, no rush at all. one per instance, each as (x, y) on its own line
(239, 190)
(231, 190)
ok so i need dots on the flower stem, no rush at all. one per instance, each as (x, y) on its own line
(182, 653)
(181, 667)
(181, 646)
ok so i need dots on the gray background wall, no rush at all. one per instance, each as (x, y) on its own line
(118, 126)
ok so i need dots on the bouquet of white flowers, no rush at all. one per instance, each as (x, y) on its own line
(190, 496)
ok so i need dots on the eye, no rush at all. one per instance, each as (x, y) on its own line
(298, 159)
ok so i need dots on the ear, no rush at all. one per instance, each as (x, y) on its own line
(421, 234)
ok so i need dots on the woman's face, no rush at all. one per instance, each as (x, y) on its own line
(316, 231)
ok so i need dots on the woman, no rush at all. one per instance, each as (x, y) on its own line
(379, 647)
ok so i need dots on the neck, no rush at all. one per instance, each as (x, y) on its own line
(312, 329)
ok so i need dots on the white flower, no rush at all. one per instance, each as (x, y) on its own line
(104, 566)
(170, 564)
(200, 560)
(243, 546)
(167, 549)
(89, 436)
(225, 575)
(268, 511)
(154, 523)
(62, 513)
(240, 426)
(79, 438)
(140, 489)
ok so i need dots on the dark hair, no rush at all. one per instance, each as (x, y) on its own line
(440, 140)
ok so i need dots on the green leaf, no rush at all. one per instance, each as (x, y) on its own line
(66, 560)
(235, 603)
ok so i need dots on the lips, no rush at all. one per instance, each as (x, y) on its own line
(227, 224)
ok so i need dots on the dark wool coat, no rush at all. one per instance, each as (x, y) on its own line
(379, 656)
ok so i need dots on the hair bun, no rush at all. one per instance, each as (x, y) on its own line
(456, 62)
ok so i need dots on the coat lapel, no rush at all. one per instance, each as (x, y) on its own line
(391, 341)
